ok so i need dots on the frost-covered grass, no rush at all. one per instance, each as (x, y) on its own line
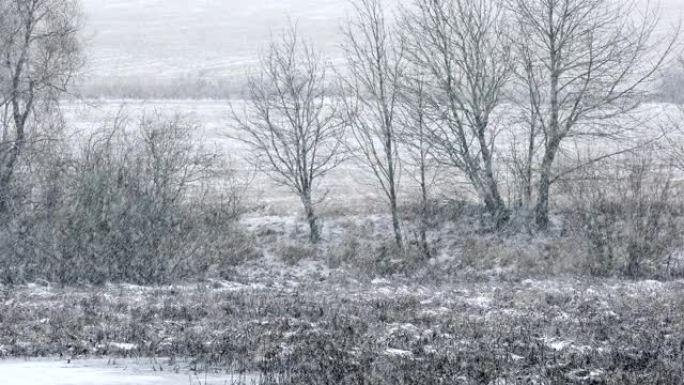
(331, 326)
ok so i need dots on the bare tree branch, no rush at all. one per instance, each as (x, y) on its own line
(291, 121)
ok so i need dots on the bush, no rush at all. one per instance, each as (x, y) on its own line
(627, 218)
(128, 206)
(376, 255)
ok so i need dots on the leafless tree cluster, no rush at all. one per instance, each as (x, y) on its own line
(376, 64)
(474, 92)
(583, 64)
(460, 46)
(40, 53)
(456, 82)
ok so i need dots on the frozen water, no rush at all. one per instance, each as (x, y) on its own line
(101, 372)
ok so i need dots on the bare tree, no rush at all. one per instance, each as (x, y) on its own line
(523, 150)
(460, 46)
(415, 138)
(40, 52)
(583, 63)
(291, 121)
(375, 61)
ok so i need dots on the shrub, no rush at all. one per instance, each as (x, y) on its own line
(625, 215)
(127, 206)
(292, 252)
(374, 256)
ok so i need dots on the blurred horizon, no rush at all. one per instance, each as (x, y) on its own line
(159, 42)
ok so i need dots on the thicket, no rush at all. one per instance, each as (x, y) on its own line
(129, 204)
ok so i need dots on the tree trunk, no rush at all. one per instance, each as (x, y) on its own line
(6, 176)
(541, 211)
(496, 207)
(391, 181)
(493, 201)
(494, 204)
(314, 231)
(488, 192)
(527, 190)
(553, 140)
(395, 217)
(424, 245)
(19, 120)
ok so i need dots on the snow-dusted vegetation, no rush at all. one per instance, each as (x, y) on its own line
(334, 327)
(367, 192)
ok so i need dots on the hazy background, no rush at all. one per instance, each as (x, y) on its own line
(158, 53)
(140, 40)
(168, 39)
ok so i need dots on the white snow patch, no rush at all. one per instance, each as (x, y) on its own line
(398, 353)
(380, 281)
(481, 302)
(557, 344)
(407, 328)
(650, 285)
(122, 346)
(436, 312)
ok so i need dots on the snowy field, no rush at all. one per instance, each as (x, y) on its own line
(175, 38)
(144, 40)
(351, 186)
(276, 324)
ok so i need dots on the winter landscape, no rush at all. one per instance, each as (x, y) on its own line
(341, 192)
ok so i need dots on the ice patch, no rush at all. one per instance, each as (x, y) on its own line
(99, 372)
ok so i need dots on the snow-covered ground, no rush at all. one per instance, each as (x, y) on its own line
(597, 328)
(104, 372)
(173, 38)
(137, 39)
